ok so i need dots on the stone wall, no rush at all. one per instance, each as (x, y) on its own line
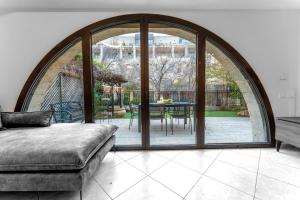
(50, 76)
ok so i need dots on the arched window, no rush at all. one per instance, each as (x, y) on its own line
(230, 90)
(166, 82)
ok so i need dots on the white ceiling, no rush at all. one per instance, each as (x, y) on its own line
(145, 5)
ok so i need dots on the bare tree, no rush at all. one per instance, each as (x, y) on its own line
(163, 68)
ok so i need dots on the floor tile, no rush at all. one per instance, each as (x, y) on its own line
(176, 177)
(254, 152)
(195, 160)
(18, 196)
(236, 177)
(148, 189)
(94, 192)
(118, 179)
(126, 155)
(148, 162)
(169, 154)
(111, 159)
(231, 176)
(209, 189)
(285, 149)
(59, 195)
(272, 189)
(285, 157)
(213, 153)
(239, 159)
(280, 171)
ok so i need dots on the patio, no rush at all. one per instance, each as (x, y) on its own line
(217, 130)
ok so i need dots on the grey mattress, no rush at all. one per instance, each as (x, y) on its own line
(58, 147)
(54, 180)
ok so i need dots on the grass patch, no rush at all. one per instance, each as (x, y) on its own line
(221, 114)
(207, 114)
(126, 116)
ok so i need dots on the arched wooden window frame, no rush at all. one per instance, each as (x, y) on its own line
(202, 34)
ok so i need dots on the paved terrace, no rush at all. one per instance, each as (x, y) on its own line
(217, 130)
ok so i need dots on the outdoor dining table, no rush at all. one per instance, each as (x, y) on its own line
(164, 105)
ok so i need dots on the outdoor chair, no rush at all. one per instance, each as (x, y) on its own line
(132, 115)
(105, 110)
(180, 112)
(67, 112)
(158, 113)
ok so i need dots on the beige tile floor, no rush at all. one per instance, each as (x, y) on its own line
(231, 174)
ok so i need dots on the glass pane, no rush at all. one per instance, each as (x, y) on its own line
(60, 88)
(172, 85)
(233, 113)
(116, 67)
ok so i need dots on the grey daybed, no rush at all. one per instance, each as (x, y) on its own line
(61, 157)
(287, 131)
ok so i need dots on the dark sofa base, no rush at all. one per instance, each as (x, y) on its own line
(54, 180)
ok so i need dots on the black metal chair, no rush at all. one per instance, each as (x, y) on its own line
(105, 110)
(158, 112)
(66, 112)
(132, 115)
(180, 112)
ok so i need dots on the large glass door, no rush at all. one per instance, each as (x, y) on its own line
(167, 86)
(172, 85)
(117, 81)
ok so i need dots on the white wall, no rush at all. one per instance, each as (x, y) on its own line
(269, 40)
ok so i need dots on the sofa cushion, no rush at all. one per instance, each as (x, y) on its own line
(58, 147)
(26, 119)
